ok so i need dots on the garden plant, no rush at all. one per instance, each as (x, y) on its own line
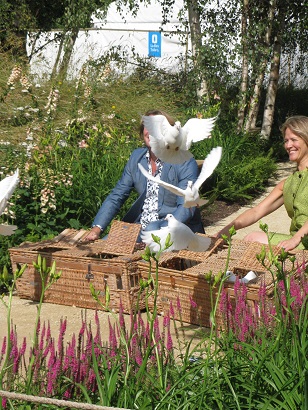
(70, 141)
(258, 361)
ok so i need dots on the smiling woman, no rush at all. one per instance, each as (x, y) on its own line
(291, 192)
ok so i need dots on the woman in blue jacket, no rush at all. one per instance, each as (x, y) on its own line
(154, 202)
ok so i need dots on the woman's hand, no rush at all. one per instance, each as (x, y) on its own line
(289, 244)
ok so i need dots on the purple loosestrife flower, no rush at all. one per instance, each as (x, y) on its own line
(225, 308)
(97, 338)
(52, 352)
(156, 330)
(4, 402)
(138, 356)
(178, 304)
(193, 304)
(147, 334)
(141, 323)
(166, 321)
(91, 382)
(169, 340)
(3, 349)
(41, 344)
(112, 340)
(282, 295)
(63, 324)
(67, 394)
(263, 305)
(121, 316)
(295, 292)
(48, 331)
(23, 348)
(171, 309)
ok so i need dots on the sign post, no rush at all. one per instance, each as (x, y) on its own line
(154, 44)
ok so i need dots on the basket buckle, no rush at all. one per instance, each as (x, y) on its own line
(89, 275)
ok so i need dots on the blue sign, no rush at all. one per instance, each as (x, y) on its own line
(154, 44)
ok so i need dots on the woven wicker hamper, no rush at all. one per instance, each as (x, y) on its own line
(179, 290)
(102, 263)
(188, 290)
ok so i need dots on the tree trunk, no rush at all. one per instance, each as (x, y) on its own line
(268, 114)
(58, 58)
(255, 99)
(69, 42)
(196, 44)
(244, 82)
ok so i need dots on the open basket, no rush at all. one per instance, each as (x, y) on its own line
(185, 291)
(110, 265)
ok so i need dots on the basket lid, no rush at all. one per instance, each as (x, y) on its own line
(122, 237)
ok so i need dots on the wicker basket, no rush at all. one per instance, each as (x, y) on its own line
(82, 264)
(183, 287)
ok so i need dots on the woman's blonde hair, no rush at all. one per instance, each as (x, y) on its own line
(298, 124)
(155, 112)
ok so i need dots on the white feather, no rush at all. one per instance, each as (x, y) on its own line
(7, 187)
(7, 230)
(191, 193)
(171, 143)
(181, 236)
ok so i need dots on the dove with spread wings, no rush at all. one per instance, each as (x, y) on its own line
(7, 187)
(181, 236)
(171, 143)
(191, 193)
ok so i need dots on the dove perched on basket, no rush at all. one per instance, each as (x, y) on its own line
(7, 187)
(171, 143)
(181, 236)
(191, 193)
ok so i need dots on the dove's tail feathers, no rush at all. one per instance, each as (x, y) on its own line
(202, 202)
(7, 230)
(199, 243)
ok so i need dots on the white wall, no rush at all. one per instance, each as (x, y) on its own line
(119, 29)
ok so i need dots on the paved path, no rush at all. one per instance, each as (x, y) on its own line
(278, 221)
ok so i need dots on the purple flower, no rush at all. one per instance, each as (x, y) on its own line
(192, 302)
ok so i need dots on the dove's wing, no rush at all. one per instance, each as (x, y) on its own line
(157, 125)
(146, 237)
(7, 187)
(7, 230)
(170, 187)
(199, 243)
(181, 234)
(196, 129)
(208, 167)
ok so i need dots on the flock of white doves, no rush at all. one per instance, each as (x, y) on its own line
(171, 144)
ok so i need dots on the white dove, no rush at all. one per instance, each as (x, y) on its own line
(181, 236)
(191, 193)
(171, 143)
(7, 187)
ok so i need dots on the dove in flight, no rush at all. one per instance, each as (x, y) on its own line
(171, 143)
(180, 234)
(191, 193)
(7, 187)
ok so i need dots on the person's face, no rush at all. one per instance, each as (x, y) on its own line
(295, 146)
(146, 137)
